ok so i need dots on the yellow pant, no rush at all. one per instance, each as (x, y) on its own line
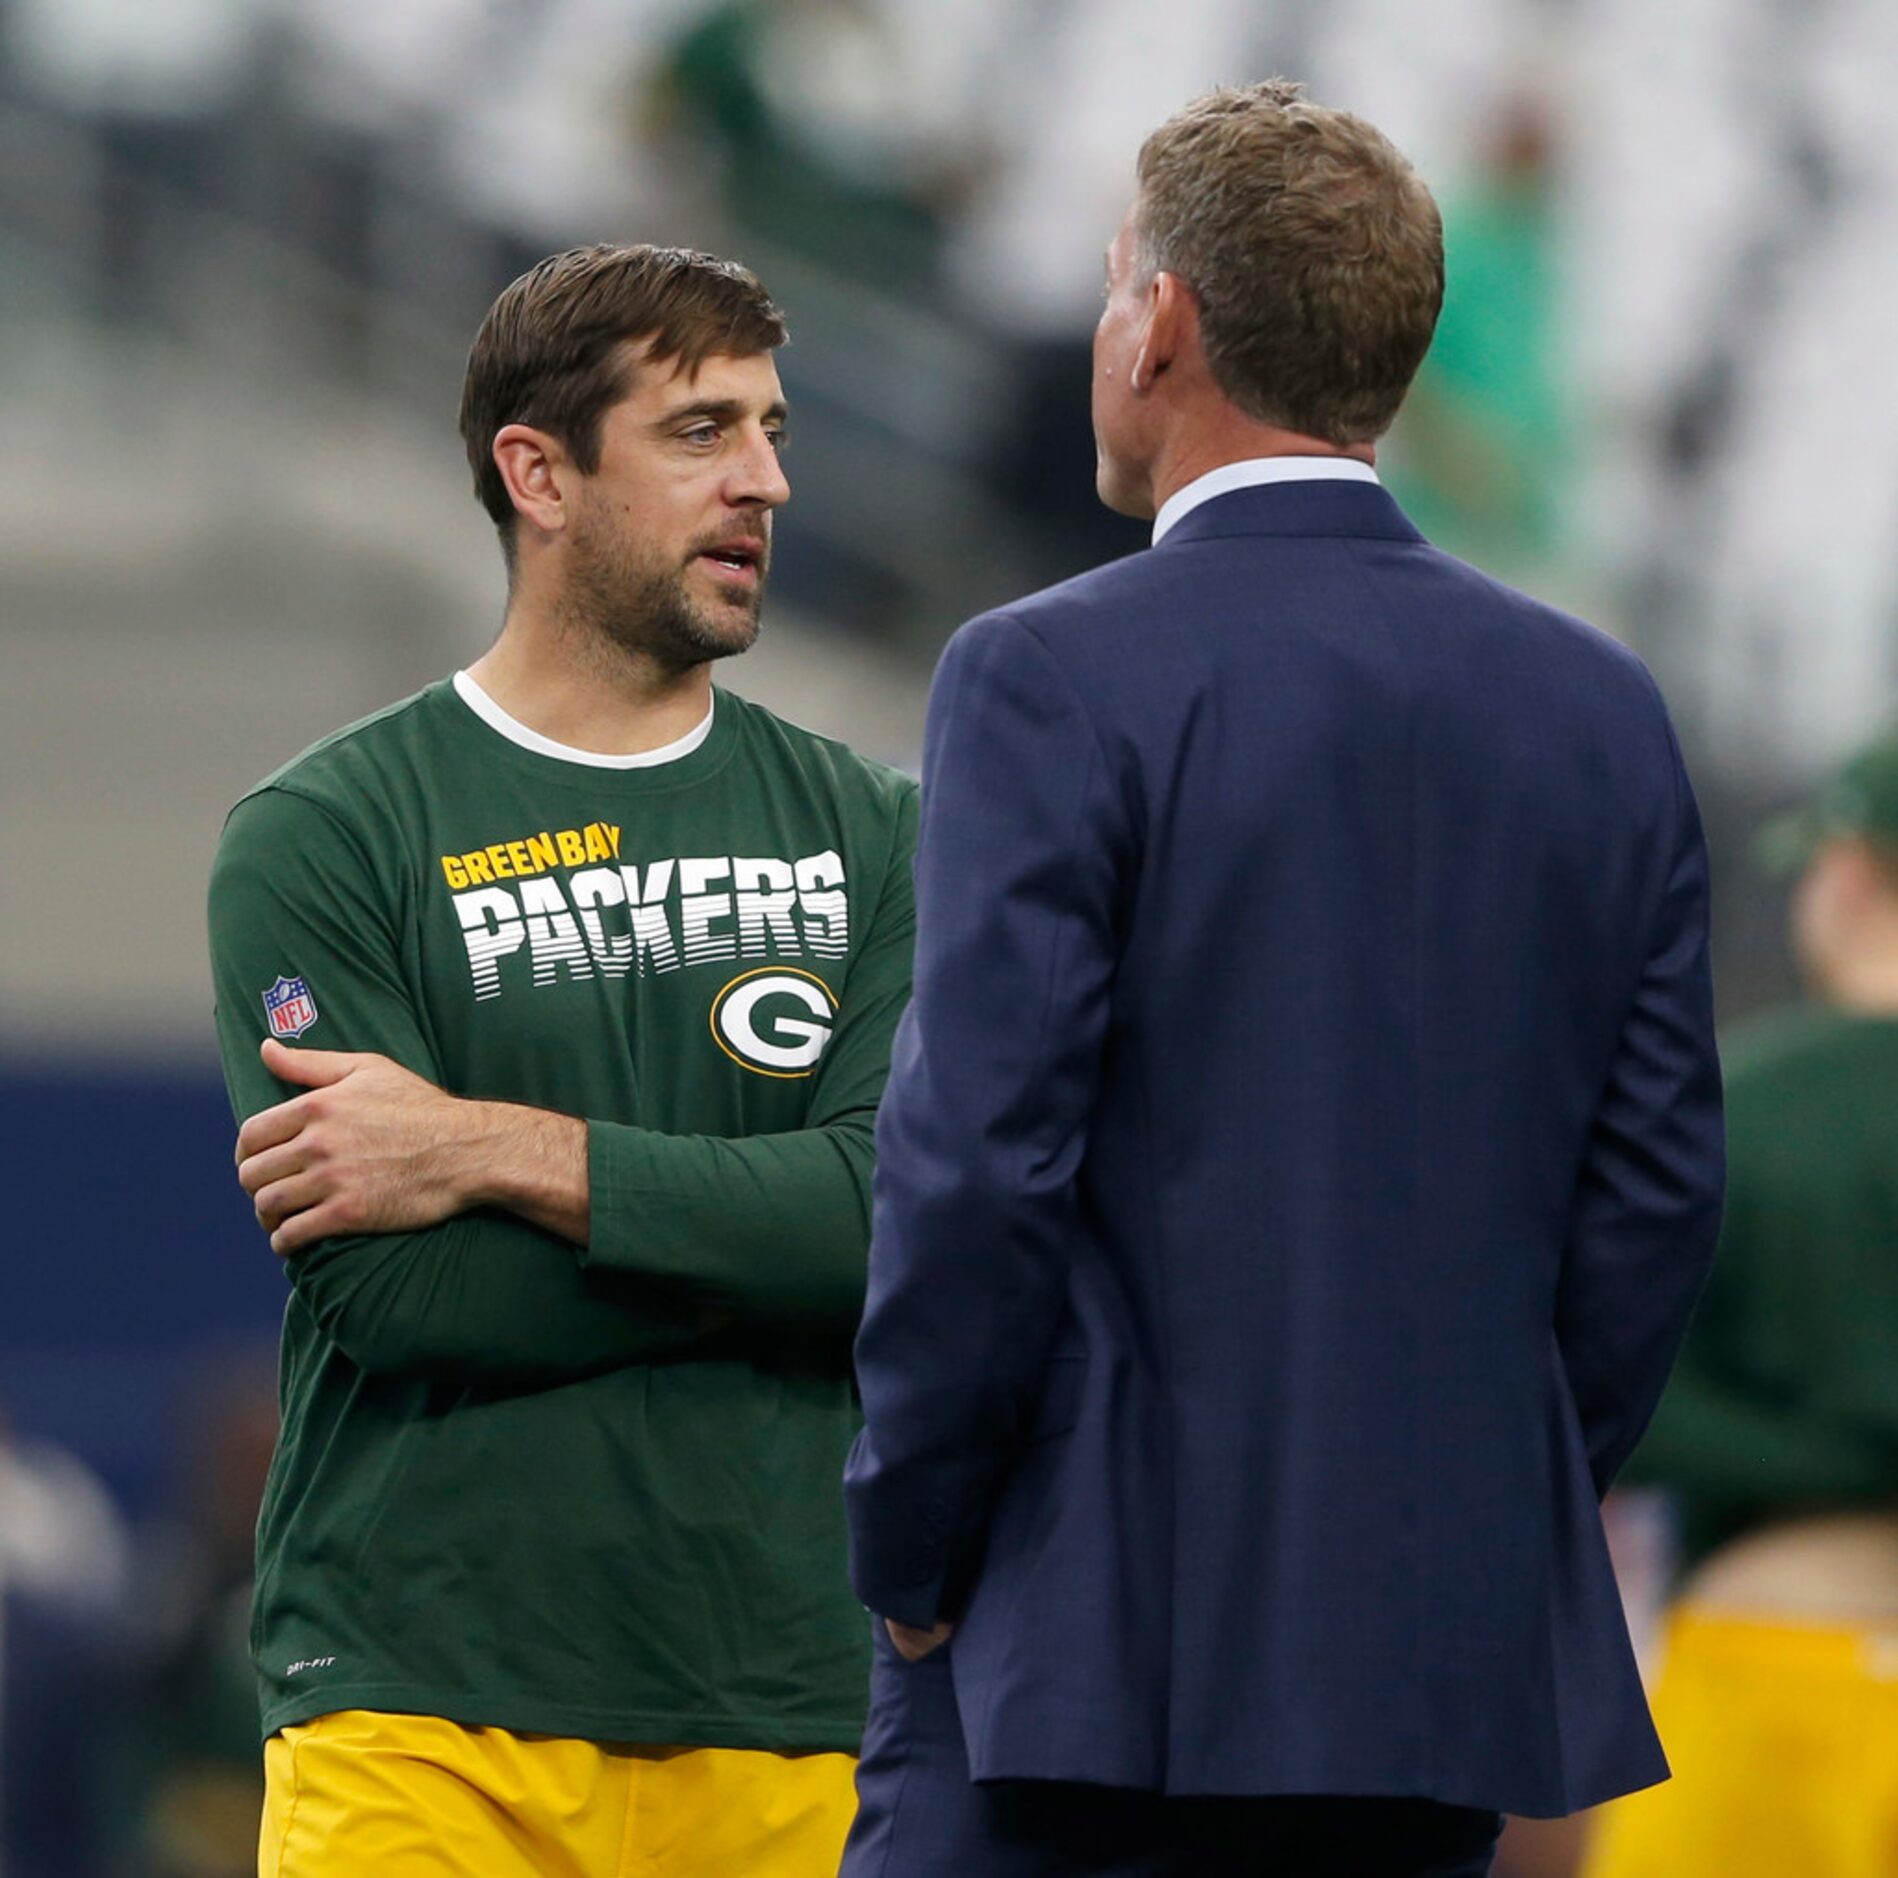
(364, 1795)
(1784, 1743)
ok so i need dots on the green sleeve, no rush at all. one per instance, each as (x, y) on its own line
(482, 1298)
(771, 1226)
(1732, 1454)
(1731, 1446)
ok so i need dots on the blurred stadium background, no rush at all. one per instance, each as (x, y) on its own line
(243, 247)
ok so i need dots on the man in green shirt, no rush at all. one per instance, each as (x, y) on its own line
(592, 972)
(1778, 1436)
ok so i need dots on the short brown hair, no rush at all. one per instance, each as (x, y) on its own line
(1312, 247)
(553, 351)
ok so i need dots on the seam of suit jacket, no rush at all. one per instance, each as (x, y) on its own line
(976, 1519)
(1379, 607)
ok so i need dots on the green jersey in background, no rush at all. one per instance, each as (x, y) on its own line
(1785, 1398)
(581, 1491)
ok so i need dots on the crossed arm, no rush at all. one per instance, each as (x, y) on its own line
(492, 1243)
(372, 1147)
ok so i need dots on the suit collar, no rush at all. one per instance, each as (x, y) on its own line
(1295, 508)
(1251, 472)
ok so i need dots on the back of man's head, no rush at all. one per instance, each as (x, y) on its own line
(1312, 247)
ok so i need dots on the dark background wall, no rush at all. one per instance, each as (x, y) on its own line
(132, 1272)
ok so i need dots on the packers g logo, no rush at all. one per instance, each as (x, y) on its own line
(774, 1021)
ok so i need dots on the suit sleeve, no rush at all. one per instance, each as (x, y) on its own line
(981, 1137)
(482, 1298)
(1648, 1200)
(771, 1227)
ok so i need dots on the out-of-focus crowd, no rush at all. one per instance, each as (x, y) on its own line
(128, 1712)
(1669, 233)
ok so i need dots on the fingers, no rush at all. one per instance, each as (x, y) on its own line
(310, 1069)
(912, 1644)
(282, 1199)
(313, 1069)
(305, 1228)
(258, 1170)
(271, 1128)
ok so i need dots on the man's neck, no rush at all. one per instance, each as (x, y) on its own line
(1195, 450)
(560, 679)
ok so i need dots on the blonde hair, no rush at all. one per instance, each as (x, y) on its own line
(1312, 247)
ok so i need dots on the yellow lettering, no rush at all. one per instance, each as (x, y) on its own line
(541, 852)
(477, 867)
(573, 850)
(597, 850)
(521, 856)
(457, 874)
(612, 835)
(501, 858)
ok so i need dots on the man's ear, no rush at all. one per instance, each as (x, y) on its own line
(1172, 321)
(533, 467)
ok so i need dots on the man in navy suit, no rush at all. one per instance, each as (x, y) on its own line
(1304, 1146)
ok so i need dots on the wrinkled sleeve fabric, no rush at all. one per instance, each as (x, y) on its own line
(771, 1227)
(1023, 851)
(1648, 1201)
(483, 1299)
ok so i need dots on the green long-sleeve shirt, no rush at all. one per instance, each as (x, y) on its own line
(1785, 1399)
(579, 1490)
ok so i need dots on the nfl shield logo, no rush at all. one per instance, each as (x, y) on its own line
(289, 1007)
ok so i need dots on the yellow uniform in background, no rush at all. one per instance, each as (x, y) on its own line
(1782, 1738)
(1777, 1695)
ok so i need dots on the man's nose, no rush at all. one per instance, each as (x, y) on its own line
(758, 477)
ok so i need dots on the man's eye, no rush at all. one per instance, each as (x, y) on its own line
(780, 440)
(701, 433)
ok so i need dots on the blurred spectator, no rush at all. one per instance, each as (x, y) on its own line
(535, 132)
(1733, 268)
(1778, 1690)
(1482, 456)
(808, 108)
(64, 1567)
(159, 88)
(1069, 89)
(193, 1756)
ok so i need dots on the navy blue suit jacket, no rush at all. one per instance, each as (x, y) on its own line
(1301, 1156)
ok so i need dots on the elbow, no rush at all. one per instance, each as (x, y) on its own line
(377, 1299)
(377, 1334)
(381, 1344)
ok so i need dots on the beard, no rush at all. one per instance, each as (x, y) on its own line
(641, 608)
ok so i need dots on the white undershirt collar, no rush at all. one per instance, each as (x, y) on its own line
(1252, 472)
(491, 714)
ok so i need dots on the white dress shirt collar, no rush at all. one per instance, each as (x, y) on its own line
(1250, 474)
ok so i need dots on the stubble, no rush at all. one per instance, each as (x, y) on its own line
(633, 608)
